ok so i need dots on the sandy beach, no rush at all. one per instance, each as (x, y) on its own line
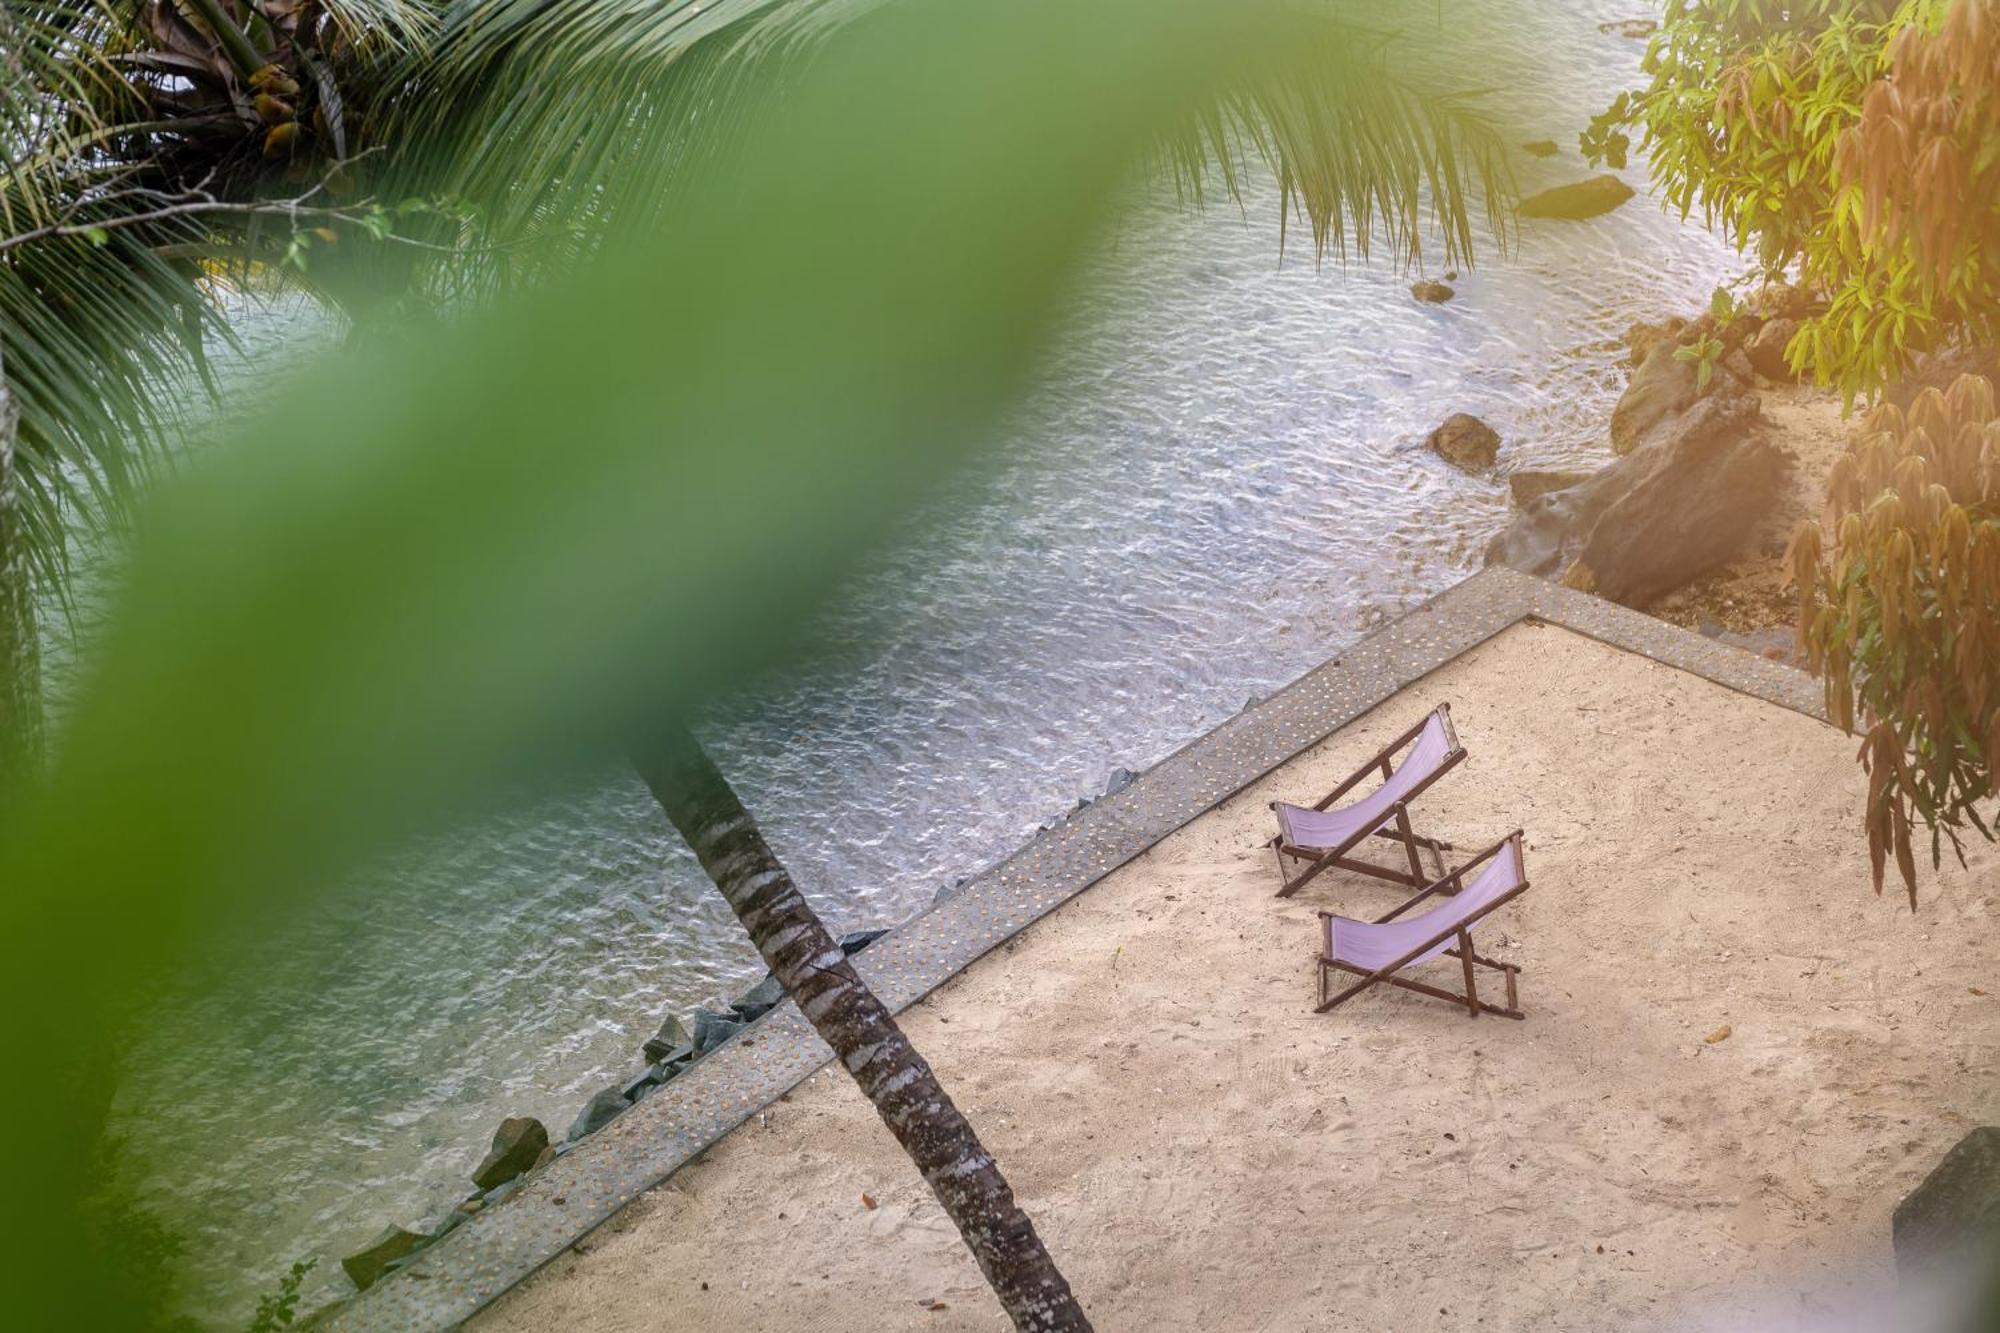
(1201, 1151)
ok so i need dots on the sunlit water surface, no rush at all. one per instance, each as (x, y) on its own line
(1220, 484)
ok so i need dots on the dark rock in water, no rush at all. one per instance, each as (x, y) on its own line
(760, 999)
(502, 1192)
(1431, 293)
(679, 1058)
(712, 1029)
(1634, 28)
(1954, 1215)
(364, 1268)
(854, 941)
(1465, 442)
(1662, 385)
(604, 1107)
(1678, 505)
(1541, 147)
(1583, 199)
(516, 1145)
(1531, 484)
(1121, 778)
(671, 1036)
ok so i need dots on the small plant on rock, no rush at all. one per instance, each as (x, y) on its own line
(1705, 351)
(1900, 612)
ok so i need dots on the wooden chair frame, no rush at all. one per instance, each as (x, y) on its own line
(1449, 884)
(1317, 859)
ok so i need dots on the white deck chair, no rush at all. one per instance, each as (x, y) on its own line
(1377, 950)
(1320, 837)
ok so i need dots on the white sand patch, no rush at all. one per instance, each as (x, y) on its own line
(1201, 1151)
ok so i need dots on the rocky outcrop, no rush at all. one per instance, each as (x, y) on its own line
(672, 1036)
(1431, 292)
(1583, 199)
(1662, 385)
(1676, 506)
(1767, 349)
(1465, 442)
(1954, 1215)
(516, 1145)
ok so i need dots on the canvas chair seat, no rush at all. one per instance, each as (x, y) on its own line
(1377, 950)
(1323, 835)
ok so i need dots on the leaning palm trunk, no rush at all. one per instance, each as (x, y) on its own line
(20, 657)
(861, 1031)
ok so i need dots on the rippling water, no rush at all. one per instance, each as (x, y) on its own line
(1220, 484)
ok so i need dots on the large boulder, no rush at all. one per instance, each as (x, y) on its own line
(1661, 385)
(1940, 370)
(1767, 349)
(1954, 1215)
(1678, 505)
(516, 1145)
(364, 1268)
(1579, 200)
(1465, 442)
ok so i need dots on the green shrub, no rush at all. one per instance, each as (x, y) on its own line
(1901, 614)
(1857, 141)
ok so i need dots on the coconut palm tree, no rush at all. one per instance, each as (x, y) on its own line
(415, 153)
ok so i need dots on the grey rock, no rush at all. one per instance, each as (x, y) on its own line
(365, 1267)
(854, 941)
(712, 1029)
(1955, 1213)
(671, 1036)
(1579, 200)
(1531, 484)
(760, 999)
(502, 1192)
(516, 1145)
(1662, 385)
(1121, 778)
(1465, 442)
(1431, 293)
(637, 1085)
(437, 1227)
(604, 1107)
(1678, 505)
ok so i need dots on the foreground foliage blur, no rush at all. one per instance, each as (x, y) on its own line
(478, 558)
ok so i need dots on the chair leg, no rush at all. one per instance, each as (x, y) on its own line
(1471, 986)
(1409, 838)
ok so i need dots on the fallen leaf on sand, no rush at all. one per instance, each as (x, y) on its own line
(1720, 1034)
(932, 1305)
(1975, 990)
(868, 1202)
